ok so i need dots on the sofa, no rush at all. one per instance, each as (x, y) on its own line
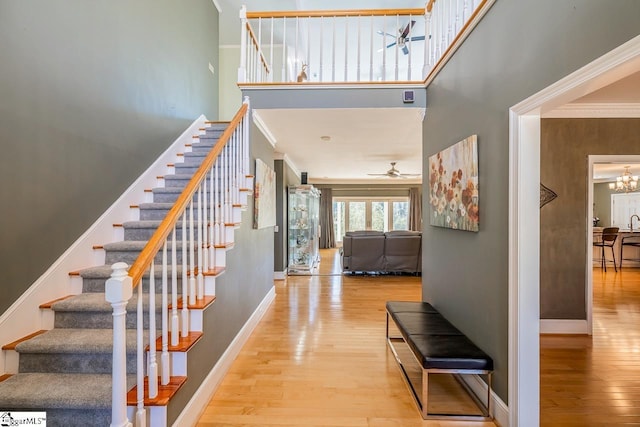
(374, 251)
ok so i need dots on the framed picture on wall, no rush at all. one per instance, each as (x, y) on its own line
(264, 194)
(453, 186)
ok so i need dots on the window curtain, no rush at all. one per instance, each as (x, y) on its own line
(415, 209)
(327, 238)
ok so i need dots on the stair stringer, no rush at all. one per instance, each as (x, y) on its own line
(24, 316)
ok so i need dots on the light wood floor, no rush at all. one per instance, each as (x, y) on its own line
(595, 381)
(319, 358)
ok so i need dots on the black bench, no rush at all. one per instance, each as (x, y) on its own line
(439, 348)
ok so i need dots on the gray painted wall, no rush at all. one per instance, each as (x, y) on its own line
(518, 48)
(565, 145)
(602, 203)
(90, 94)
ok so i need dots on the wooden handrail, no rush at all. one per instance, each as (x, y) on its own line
(254, 40)
(156, 242)
(430, 5)
(333, 13)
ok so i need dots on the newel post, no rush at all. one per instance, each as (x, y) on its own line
(118, 290)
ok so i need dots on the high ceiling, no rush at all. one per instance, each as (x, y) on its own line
(364, 141)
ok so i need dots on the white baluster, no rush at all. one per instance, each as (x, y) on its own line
(295, 51)
(216, 195)
(164, 358)
(185, 279)
(371, 51)
(192, 258)
(284, 50)
(141, 413)
(333, 51)
(426, 64)
(466, 12)
(153, 363)
(410, 52)
(271, 54)
(308, 55)
(397, 50)
(212, 251)
(320, 39)
(358, 56)
(346, 49)
(118, 291)
(175, 325)
(242, 70)
(205, 216)
(384, 49)
(200, 282)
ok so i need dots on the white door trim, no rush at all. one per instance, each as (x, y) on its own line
(524, 219)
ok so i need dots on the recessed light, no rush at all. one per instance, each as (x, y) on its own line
(325, 138)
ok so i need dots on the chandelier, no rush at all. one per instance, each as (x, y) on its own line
(626, 182)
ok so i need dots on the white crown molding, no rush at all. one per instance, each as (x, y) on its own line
(282, 156)
(595, 110)
(261, 125)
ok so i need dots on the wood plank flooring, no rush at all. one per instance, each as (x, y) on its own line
(595, 381)
(319, 358)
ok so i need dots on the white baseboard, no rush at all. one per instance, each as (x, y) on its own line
(23, 316)
(192, 411)
(499, 409)
(280, 275)
(563, 326)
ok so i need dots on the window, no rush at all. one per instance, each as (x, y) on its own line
(381, 214)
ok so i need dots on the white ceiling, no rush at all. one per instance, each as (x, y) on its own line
(362, 141)
(365, 141)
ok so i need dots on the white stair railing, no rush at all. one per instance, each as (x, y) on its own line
(350, 46)
(198, 217)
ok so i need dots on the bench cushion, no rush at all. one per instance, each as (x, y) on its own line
(436, 343)
(410, 307)
(448, 352)
(424, 324)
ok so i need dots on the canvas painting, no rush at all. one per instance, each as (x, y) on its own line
(453, 186)
(264, 195)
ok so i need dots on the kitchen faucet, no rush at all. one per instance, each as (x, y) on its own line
(631, 222)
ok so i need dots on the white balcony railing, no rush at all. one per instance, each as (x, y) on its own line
(349, 46)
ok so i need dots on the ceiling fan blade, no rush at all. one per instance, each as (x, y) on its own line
(405, 50)
(382, 33)
(416, 38)
(407, 29)
(392, 44)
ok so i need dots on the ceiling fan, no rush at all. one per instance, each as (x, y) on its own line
(402, 37)
(394, 173)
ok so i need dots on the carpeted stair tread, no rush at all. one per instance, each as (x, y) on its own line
(95, 302)
(142, 224)
(105, 271)
(72, 391)
(75, 341)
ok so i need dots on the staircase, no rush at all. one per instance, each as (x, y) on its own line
(67, 371)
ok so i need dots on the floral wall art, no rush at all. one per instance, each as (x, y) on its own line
(453, 186)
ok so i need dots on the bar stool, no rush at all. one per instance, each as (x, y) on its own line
(609, 236)
(633, 241)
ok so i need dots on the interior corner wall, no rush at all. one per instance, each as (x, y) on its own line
(518, 49)
(90, 94)
(230, 94)
(565, 145)
(285, 178)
